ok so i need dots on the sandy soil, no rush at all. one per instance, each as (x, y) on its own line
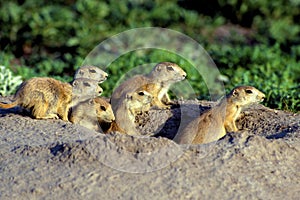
(52, 159)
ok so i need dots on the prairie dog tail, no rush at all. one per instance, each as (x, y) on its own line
(8, 105)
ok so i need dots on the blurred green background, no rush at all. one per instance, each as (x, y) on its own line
(252, 42)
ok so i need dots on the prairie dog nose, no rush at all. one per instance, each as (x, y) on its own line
(105, 75)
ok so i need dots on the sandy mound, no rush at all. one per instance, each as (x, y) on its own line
(53, 159)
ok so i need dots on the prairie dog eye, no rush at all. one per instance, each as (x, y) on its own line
(103, 108)
(170, 68)
(141, 93)
(87, 84)
(249, 91)
(92, 71)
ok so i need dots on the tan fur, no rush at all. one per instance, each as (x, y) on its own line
(91, 72)
(157, 83)
(127, 109)
(214, 123)
(48, 98)
(91, 113)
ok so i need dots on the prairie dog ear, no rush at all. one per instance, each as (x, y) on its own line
(81, 72)
(158, 67)
(91, 101)
(129, 96)
(74, 83)
(235, 92)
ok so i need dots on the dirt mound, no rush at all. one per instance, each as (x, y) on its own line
(53, 159)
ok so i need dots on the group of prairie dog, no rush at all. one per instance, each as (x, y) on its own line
(79, 102)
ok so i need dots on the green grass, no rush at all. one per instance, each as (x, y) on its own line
(42, 38)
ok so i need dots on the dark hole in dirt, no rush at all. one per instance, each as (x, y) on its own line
(284, 133)
(56, 149)
(277, 136)
(181, 115)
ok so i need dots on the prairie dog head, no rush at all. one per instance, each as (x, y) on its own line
(103, 110)
(86, 87)
(245, 95)
(141, 97)
(91, 72)
(138, 101)
(168, 72)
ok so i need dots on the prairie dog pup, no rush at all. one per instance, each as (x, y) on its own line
(91, 72)
(213, 124)
(127, 109)
(48, 98)
(91, 113)
(157, 83)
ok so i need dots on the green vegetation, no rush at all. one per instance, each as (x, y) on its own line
(9, 83)
(252, 42)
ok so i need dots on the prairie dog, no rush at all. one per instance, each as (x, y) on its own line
(127, 109)
(213, 124)
(91, 72)
(157, 83)
(48, 98)
(91, 113)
